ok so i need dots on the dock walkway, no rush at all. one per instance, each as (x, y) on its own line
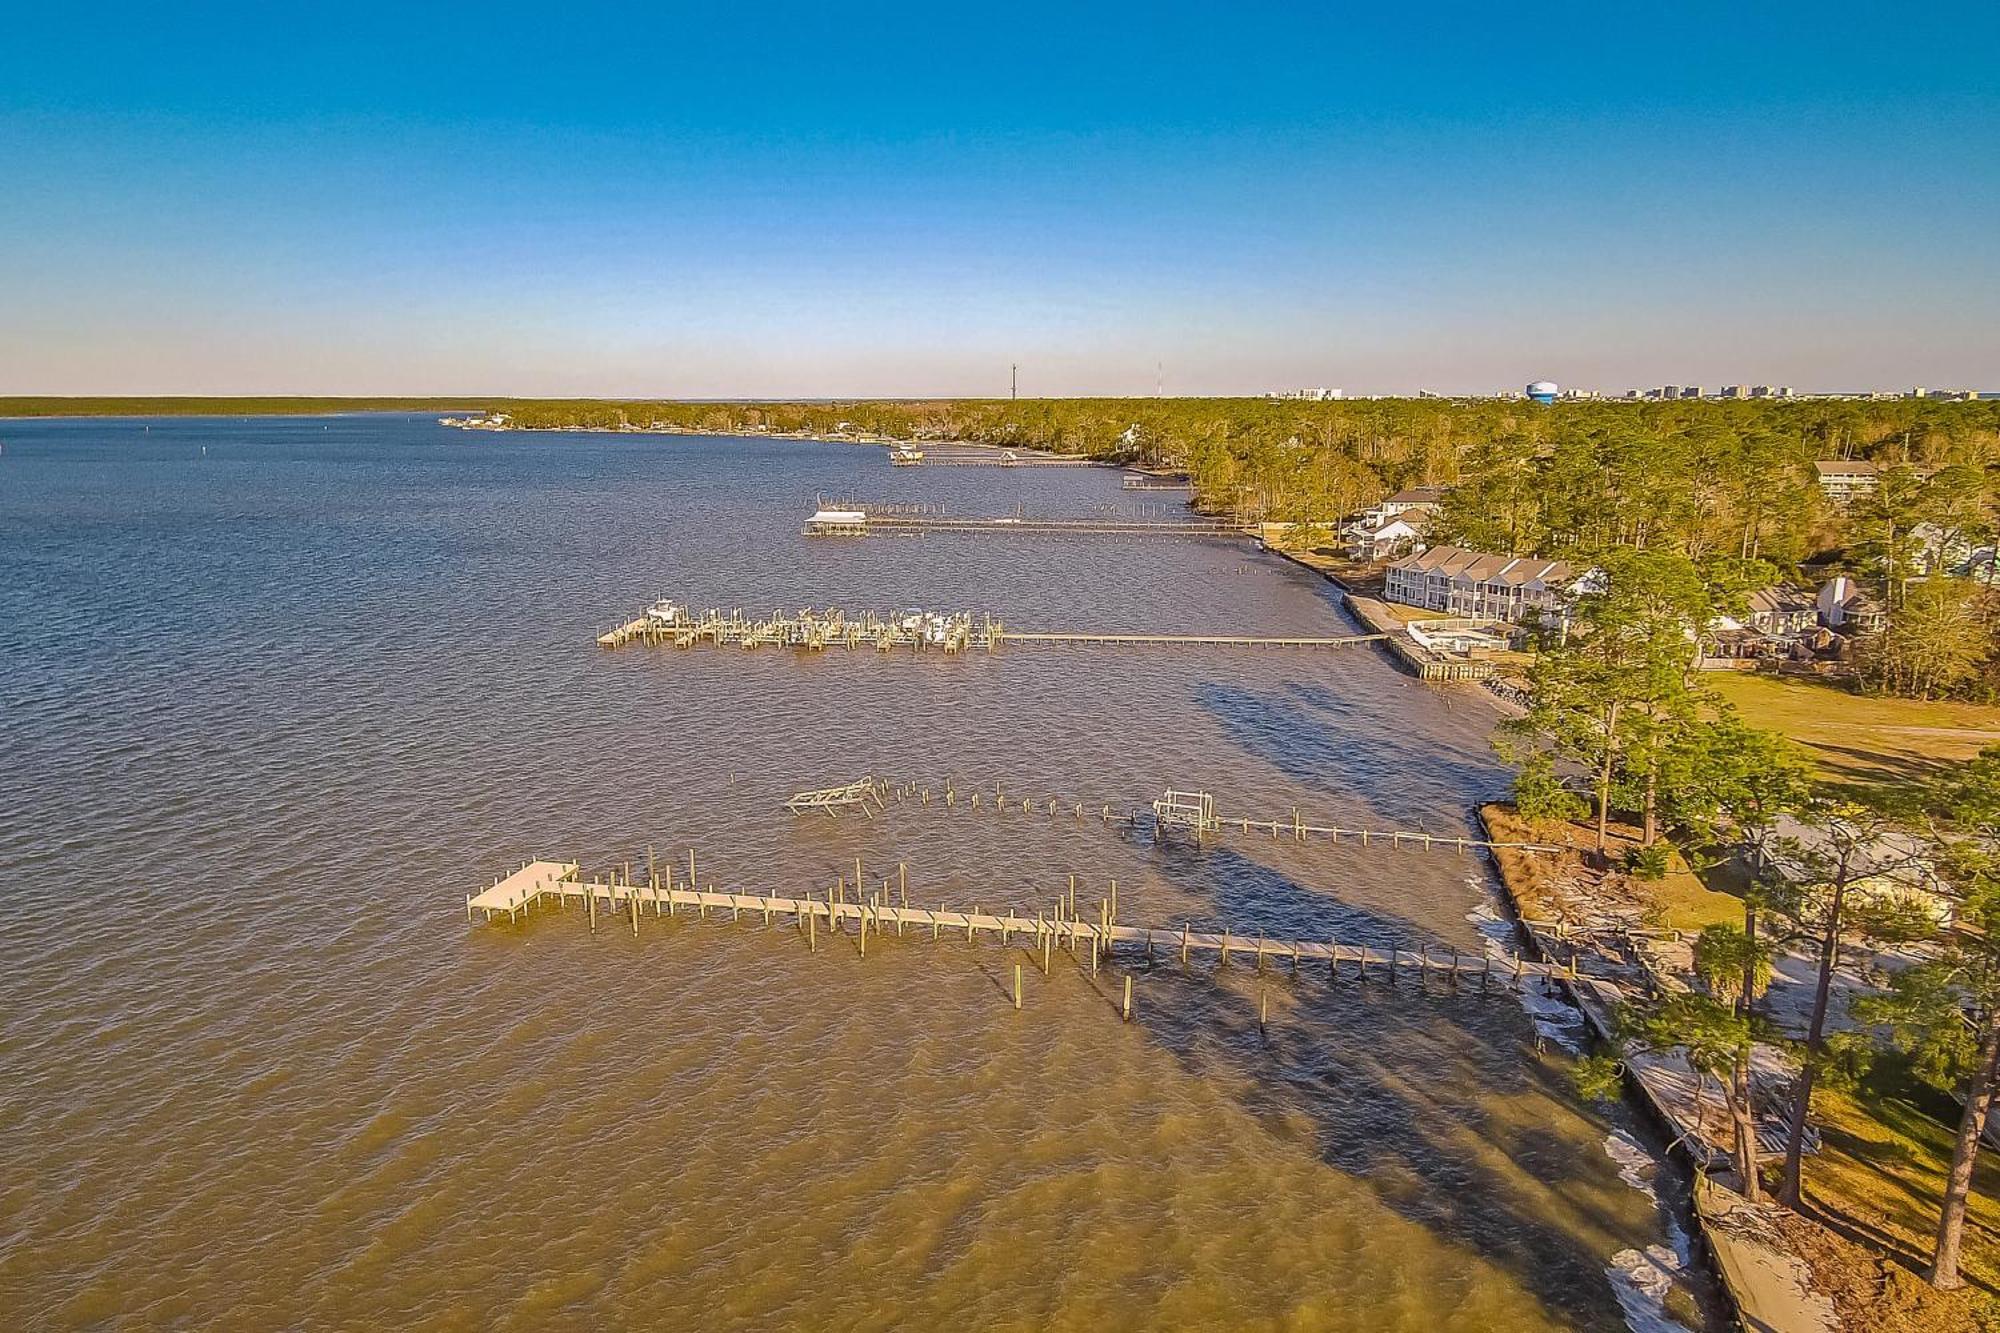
(1191, 640)
(954, 633)
(1054, 526)
(516, 895)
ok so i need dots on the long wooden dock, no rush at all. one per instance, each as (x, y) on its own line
(1193, 640)
(1029, 527)
(1030, 461)
(949, 633)
(1040, 933)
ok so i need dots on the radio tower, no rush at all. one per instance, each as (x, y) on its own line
(1013, 382)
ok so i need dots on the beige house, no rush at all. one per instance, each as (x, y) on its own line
(1889, 868)
(1783, 611)
(1844, 479)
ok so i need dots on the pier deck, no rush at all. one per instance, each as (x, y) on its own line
(1192, 640)
(518, 891)
(836, 911)
(904, 523)
(1032, 461)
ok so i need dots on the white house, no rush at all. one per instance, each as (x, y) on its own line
(1398, 534)
(1413, 499)
(1479, 585)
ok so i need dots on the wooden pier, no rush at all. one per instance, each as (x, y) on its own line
(1298, 830)
(1059, 926)
(1193, 813)
(1024, 461)
(952, 632)
(866, 796)
(1071, 527)
(1192, 640)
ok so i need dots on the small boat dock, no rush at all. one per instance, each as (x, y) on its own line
(668, 622)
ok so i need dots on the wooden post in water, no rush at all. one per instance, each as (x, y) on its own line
(1017, 985)
(902, 886)
(632, 901)
(1128, 997)
(812, 932)
(1184, 943)
(1112, 920)
(592, 891)
(1263, 1007)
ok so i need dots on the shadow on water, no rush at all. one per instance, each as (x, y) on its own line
(1414, 1089)
(1320, 739)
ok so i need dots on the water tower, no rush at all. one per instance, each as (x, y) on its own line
(1542, 391)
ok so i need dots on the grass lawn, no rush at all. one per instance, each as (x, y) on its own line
(1677, 901)
(1878, 1180)
(1856, 738)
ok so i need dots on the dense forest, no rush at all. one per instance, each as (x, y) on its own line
(1712, 474)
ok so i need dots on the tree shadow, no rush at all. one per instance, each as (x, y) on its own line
(1412, 1089)
(1317, 738)
(1856, 770)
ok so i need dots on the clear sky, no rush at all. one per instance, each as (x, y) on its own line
(774, 199)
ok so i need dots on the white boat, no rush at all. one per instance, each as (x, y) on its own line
(666, 611)
(827, 521)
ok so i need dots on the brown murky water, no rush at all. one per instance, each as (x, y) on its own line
(271, 710)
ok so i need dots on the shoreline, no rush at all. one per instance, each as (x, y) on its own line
(1766, 1287)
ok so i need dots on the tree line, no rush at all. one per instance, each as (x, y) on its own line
(1619, 722)
(1719, 482)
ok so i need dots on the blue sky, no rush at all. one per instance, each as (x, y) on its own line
(816, 200)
